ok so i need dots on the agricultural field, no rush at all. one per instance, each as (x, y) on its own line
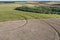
(8, 13)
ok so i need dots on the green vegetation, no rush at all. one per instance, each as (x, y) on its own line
(7, 13)
(40, 9)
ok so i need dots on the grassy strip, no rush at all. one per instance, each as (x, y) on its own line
(7, 13)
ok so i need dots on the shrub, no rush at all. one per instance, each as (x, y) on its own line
(40, 9)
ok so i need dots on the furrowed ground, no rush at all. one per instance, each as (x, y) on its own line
(7, 13)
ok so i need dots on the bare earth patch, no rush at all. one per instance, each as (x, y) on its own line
(34, 29)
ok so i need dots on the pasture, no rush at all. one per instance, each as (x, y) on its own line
(7, 13)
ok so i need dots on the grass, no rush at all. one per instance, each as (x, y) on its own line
(7, 13)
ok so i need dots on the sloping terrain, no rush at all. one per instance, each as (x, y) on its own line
(33, 27)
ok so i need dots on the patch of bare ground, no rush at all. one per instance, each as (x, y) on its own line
(35, 29)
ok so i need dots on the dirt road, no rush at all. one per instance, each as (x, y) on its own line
(33, 29)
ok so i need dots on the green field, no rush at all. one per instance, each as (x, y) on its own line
(7, 13)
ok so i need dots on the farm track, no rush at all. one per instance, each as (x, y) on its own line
(24, 22)
(52, 25)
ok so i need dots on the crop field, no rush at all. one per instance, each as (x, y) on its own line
(8, 13)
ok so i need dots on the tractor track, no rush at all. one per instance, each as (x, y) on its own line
(50, 26)
(54, 22)
(43, 21)
(53, 27)
(26, 21)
